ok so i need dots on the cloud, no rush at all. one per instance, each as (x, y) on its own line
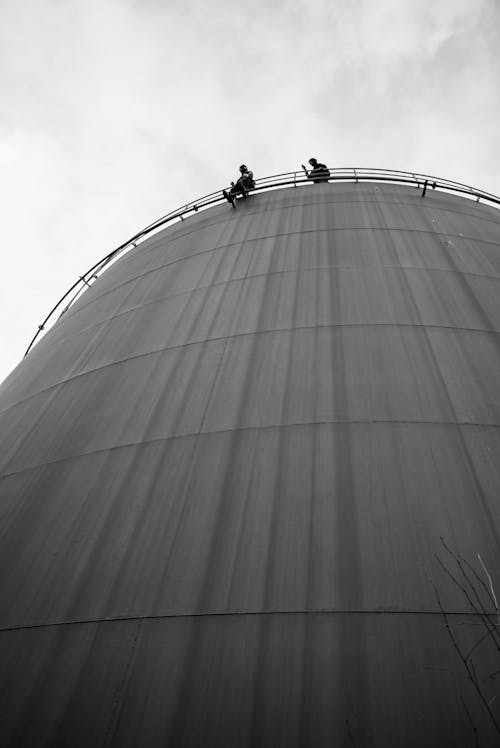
(117, 111)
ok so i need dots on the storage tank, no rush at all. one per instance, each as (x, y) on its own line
(227, 471)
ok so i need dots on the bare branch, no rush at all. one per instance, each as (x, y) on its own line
(479, 641)
(458, 560)
(474, 728)
(481, 581)
(491, 584)
(468, 664)
(494, 634)
(492, 675)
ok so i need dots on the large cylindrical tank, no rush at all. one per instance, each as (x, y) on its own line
(228, 468)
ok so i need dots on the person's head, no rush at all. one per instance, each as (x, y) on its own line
(243, 168)
(313, 161)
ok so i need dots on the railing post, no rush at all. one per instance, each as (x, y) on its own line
(432, 184)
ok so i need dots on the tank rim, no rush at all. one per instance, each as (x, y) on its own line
(291, 179)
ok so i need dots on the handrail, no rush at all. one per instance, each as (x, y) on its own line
(286, 179)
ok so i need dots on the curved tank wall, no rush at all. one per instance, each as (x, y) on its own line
(225, 473)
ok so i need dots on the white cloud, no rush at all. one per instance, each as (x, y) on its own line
(116, 111)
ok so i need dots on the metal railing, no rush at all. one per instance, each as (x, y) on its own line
(286, 179)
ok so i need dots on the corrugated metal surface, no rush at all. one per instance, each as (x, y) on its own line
(225, 472)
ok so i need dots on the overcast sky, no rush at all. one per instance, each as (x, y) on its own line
(114, 112)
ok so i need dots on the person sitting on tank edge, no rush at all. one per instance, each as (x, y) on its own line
(318, 173)
(244, 183)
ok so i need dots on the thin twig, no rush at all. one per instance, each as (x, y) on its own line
(492, 675)
(476, 737)
(483, 610)
(481, 581)
(480, 641)
(491, 585)
(468, 665)
(483, 616)
(457, 560)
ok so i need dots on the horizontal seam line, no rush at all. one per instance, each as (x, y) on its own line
(215, 614)
(276, 235)
(204, 341)
(298, 424)
(294, 233)
(244, 278)
(267, 211)
(311, 268)
(372, 200)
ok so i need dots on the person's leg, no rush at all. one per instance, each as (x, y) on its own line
(248, 184)
(238, 188)
(242, 185)
(229, 197)
(319, 175)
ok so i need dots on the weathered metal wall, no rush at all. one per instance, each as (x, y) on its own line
(226, 470)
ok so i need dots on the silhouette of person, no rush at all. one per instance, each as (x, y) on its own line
(244, 183)
(318, 173)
